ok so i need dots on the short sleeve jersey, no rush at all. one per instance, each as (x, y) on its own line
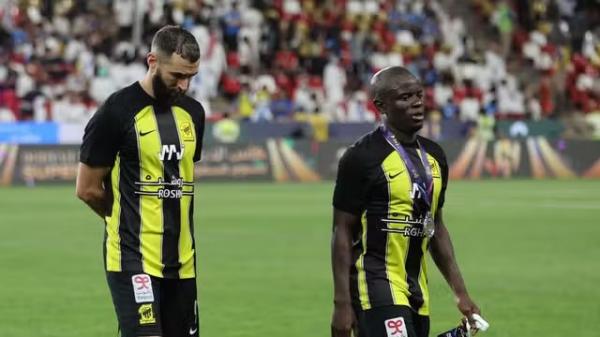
(151, 150)
(389, 264)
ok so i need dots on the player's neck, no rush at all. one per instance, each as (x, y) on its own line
(401, 136)
(146, 84)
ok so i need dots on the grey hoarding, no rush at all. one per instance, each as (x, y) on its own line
(284, 160)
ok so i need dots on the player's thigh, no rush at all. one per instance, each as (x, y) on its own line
(136, 298)
(392, 321)
(180, 308)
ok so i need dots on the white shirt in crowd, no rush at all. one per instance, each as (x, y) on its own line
(510, 98)
(442, 93)
(70, 110)
(357, 109)
(469, 109)
(124, 11)
(213, 63)
(495, 65)
(380, 59)
(6, 115)
(334, 81)
(125, 74)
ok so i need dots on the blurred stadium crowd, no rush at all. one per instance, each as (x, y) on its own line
(284, 59)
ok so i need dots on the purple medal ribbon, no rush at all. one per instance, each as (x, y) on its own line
(426, 187)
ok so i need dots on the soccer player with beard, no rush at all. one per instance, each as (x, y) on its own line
(137, 173)
(387, 215)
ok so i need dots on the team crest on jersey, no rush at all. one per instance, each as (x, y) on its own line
(395, 327)
(187, 134)
(146, 314)
(435, 169)
(142, 288)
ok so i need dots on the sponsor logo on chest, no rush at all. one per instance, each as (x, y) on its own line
(168, 152)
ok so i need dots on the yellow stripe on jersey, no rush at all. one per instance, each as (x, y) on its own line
(188, 139)
(113, 240)
(399, 208)
(363, 291)
(151, 207)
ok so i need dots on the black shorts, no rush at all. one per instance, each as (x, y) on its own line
(391, 321)
(152, 306)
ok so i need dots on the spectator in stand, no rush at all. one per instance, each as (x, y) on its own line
(33, 106)
(510, 99)
(248, 56)
(262, 105)
(71, 109)
(503, 19)
(245, 107)
(232, 22)
(231, 85)
(91, 46)
(302, 93)
(124, 10)
(282, 107)
(334, 83)
(213, 64)
(6, 115)
(358, 110)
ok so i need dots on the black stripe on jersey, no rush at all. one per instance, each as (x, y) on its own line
(129, 220)
(415, 252)
(413, 269)
(167, 129)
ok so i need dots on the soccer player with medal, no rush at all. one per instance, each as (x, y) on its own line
(387, 214)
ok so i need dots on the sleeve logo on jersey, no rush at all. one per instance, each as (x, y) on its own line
(187, 134)
(142, 288)
(395, 327)
(146, 314)
(168, 151)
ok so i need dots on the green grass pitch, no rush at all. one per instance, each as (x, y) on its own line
(529, 251)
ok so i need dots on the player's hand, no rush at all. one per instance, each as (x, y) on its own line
(467, 307)
(342, 321)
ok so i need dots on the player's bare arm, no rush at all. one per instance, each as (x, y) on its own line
(442, 252)
(90, 189)
(341, 260)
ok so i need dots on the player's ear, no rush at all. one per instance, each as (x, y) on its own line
(152, 61)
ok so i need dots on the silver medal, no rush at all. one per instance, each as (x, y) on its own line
(428, 225)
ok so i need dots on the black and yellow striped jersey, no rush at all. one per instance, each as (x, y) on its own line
(389, 248)
(151, 149)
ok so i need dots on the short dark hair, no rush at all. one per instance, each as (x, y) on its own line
(174, 39)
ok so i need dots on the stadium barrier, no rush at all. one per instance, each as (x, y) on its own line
(50, 133)
(283, 160)
(34, 133)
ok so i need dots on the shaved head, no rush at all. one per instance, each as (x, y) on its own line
(399, 95)
(389, 79)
